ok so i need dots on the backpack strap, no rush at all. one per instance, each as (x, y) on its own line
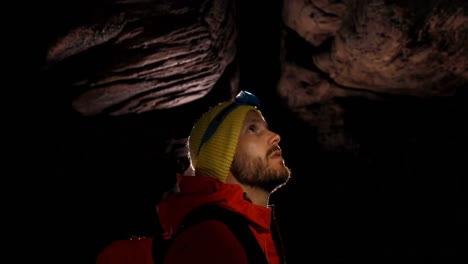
(236, 223)
(159, 247)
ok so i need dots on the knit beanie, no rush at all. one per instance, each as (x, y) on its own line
(213, 139)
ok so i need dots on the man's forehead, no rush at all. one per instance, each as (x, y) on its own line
(254, 116)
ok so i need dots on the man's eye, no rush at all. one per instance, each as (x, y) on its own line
(252, 129)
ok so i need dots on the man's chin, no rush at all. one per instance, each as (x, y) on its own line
(279, 167)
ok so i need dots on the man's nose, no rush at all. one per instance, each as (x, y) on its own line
(274, 138)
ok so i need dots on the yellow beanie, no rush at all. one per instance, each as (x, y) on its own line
(213, 140)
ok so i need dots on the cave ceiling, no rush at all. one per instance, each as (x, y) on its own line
(322, 61)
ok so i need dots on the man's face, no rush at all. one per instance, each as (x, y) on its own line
(258, 161)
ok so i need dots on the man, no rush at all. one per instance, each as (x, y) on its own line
(237, 164)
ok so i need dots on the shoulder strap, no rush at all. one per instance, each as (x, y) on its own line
(236, 222)
(159, 247)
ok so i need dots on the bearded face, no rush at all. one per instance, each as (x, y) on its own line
(266, 172)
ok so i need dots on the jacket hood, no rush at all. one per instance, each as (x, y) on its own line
(196, 191)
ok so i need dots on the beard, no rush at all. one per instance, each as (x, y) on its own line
(257, 172)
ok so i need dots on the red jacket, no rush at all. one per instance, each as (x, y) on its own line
(208, 242)
(212, 241)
